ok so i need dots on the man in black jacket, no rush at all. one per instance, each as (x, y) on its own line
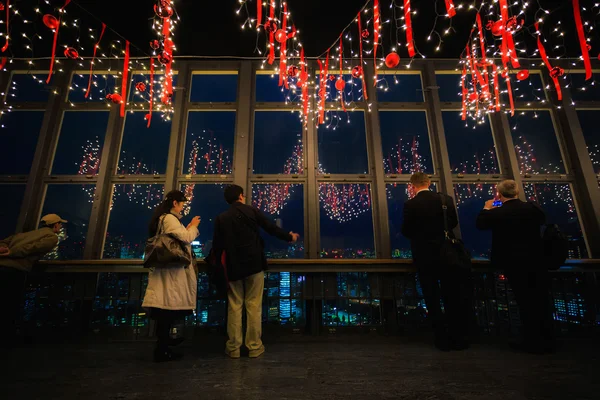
(237, 235)
(424, 226)
(517, 249)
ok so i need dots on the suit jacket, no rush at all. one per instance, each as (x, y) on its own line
(424, 225)
(27, 248)
(237, 233)
(516, 232)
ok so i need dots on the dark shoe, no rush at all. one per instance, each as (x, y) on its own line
(166, 355)
(176, 341)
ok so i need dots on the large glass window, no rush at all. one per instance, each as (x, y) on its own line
(130, 212)
(450, 88)
(28, 88)
(400, 87)
(214, 88)
(280, 131)
(536, 143)
(343, 146)
(144, 150)
(353, 90)
(471, 150)
(405, 142)
(20, 131)
(209, 143)
(268, 90)
(139, 93)
(74, 204)
(470, 199)
(80, 143)
(557, 201)
(10, 207)
(206, 201)
(284, 204)
(582, 90)
(346, 221)
(100, 87)
(284, 304)
(589, 124)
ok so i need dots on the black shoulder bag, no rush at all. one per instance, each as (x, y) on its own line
(453, 252)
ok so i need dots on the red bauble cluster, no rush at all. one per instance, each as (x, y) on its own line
(155, 45)
(140, 87)
(557, 72)
(392, 60)
(340, 84)
(50, 21)
(292, 71)
(71, 53)
(473, 97)
(357, 71)
(271, 26)
(513, 24)
(365, 34)
(164, 58)
(495, 27)
(163, 10)
(115, 98)
(523, 74)
(331, 78)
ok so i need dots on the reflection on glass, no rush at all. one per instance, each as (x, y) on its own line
(10, 207)
(405, 142)
(283, 303)
(28, 88)
(144, 150)
(471, 150)
(557, 201)
(450, 87)
(209, 143)
(214, 88)
(74, 204)
(346, 221)
(343, 146)
(79, 149)
(591, 132)
(581, 90)
(284, 204)
(131, 209)
(399, 87)
(100, 87)
(20, 131)
(470, 199)
(118, 301)
(280, 131)
(536, 144)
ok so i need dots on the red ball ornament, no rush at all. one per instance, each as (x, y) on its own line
(340, 84)
(280, 36)
(292, 71)
(523, 74)
(164, 58)
(392, 60)
(513, 24)
(357, 71)
(71, 53)
(473, 97)
(365, 34)
(50, 21)
(495, 27)
(115, 98)
(140, 87)
(270, 26)
(163, 10)
(154, 45)
(557, 72)
(1, 6)
(331, 77)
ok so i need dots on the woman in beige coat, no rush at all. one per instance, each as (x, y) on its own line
(171, 292)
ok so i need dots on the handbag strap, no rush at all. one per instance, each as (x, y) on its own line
(445, 211)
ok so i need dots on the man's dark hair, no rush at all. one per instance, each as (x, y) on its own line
(232, 193)
(420, 179)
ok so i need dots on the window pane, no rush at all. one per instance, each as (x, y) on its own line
(470, 198)
(346, 221)
(343, 146)
(268, 90)
(10, 207)
(405, 141)
(580, 89)
(557, 201)
(397, 195)
(591, 132)
(450, 88)
(80, 143)
(209, 142)
(144, 150)
(20, 132)
(214, 88)
(27, 87)
(206, 201)
(530, 89)
(353, 90)
(471, 149)
(74, 204)
(284, 204)
(138, 96)
(101, 86)
(536, 144)
(400, 87)
(278, 143)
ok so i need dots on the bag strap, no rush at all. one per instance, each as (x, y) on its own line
(445, 211)
(247, 221)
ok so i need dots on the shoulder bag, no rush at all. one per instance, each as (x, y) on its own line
(166, 251)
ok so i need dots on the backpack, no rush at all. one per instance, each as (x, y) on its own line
(556, 247)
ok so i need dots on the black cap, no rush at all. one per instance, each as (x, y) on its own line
(176, 195)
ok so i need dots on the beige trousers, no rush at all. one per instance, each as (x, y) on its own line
(246, 292)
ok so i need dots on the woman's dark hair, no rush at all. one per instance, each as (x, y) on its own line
(164, 208)
(232, 193)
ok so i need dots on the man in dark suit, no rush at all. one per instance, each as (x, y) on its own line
(517, 249)
(237, 235)
(424, 226)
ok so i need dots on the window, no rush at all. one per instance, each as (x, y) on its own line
(141, 96)
(144, 150)
(470, 199)
(20, 131)
(557, 201)
(399, 87)
(214, 88)
(101, 86)
(283, 203)
(471, 149)
(130, 213)
(405, 141)
(343, 146)
(28, 88)
(209, 143)
(346, 221)
(591, 132)
(79, 149)
(530, 89)
(353, 90)
(278, 143)
(268, 90)
(284, 304)
(206, 201)
(10, 208)
(74, 204)
(536, 144)
(582, 90)
(450, 87)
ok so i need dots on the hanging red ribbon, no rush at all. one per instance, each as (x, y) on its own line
(473, 76)
(3, 63)
(362, 75)
(125, 81)
(508, 42)
(87, 93)
(582, 41)
(304, 77)
(323, 85)
(149, 115)
(5, 47)
(283, 77)
(482, 45)
(546, 61)
(409, 30)
(496, 86)
(271, 57)
(258, 13)
(341, 74)
(450, 8)
(54, 43)
(168, 49)
(464, 93)
(377, 20)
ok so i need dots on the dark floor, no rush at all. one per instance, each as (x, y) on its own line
(369, 367)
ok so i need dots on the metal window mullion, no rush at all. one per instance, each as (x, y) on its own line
(505, 149)
(311, 200)
(243, 126)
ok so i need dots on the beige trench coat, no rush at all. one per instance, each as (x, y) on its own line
(174, 288)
